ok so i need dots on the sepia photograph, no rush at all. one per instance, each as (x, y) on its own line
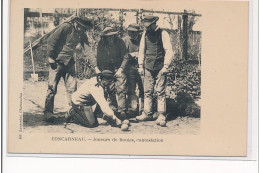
(141, 78)
(90, 70)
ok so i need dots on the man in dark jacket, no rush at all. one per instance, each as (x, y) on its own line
(132, 42)
(61, 47)
(155, 56)
(112, 55)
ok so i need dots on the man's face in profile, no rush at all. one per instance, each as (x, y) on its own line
(80, 28)
(106, 81)
(133, 34)
(151, 27)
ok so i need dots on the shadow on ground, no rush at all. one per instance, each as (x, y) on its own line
(33, 120)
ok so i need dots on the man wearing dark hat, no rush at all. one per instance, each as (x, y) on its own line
(155, 55)
(89, 94)
(112, 55)
(61, 47)
(132, 41)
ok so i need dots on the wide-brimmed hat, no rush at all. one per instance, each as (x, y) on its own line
(83, 21)
(107, 74)
(109, 31)
(134, 27)
(148, 20)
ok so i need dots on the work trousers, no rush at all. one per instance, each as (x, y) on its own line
(154, 81)
(55, 74)
(134, 79)
(84, 115)
(116, 94)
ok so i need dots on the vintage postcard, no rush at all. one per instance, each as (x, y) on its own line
(114, 77)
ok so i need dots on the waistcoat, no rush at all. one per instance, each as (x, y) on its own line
(154, 51)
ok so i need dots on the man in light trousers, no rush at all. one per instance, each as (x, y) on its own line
(155, 56)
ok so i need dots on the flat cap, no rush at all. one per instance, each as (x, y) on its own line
(134, 27)
(109, 31)
(83, 21)
(107, 74)
(148, 20)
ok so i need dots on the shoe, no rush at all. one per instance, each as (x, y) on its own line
(69, 118)
(161, 120)
(155, 115)
(48, 116)
(133, 120)
(144, 117)
(114, 122)
(101, 121)
(131, 114)
(122, 116)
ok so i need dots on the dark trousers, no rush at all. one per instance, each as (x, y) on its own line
(84, 115)
(116, 94)
(154, 81)
(133, 79)
(68, 74)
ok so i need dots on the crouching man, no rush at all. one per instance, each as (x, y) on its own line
(88, 94)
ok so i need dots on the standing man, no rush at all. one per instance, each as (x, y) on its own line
(61, 47)
(155, 55)
(132, 42)
(112, 55)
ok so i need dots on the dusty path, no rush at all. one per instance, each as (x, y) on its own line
(34, 97)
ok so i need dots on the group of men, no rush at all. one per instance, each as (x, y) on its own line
(139, 59)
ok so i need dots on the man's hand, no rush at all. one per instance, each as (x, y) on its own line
(164, 70)
(118, 122)
(97, 70)
(78, 47)
(119, 72)
(141, 71)
(52, 63)
(134, 54)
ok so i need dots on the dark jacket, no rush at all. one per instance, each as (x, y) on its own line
(112, 57)
(132, 46)
(62, 43)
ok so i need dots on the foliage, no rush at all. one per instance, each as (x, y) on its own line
(184, 79)
(185, 76)
(102, 19)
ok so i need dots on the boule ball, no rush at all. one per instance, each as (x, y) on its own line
(124, 127)
(163, 123)
(126, 122)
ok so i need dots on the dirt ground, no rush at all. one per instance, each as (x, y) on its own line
(33, 104)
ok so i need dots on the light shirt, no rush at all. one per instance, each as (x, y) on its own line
(89, 88)
(166, 40)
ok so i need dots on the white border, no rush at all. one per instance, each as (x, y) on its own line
(38, 163)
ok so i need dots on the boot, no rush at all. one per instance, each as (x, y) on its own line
(48, 116)
(122, 116)
(144, 117)
(161, 120)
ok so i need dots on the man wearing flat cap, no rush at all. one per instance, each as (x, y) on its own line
(155, 56)
(91, 93)
(132, 41)
(61, 47)
(112, 55)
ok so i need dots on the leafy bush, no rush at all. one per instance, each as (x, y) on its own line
(185, 76)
